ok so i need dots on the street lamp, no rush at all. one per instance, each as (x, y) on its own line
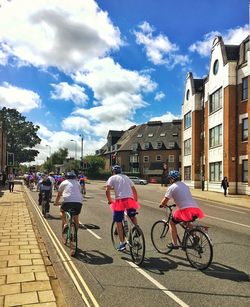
(49, 149)
(75, 148)
(82, 138)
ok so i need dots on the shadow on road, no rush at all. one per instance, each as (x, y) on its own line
(88, 226)
(93, 257)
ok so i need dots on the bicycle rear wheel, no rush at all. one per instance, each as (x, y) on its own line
(114, 235)
(161, 237)
(73, 239)
(199, 249)
(44, 207)
(137, 245)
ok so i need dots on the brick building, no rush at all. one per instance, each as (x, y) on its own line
(144, 149)
(216, 120)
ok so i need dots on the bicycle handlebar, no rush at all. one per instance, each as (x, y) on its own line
(169, 207)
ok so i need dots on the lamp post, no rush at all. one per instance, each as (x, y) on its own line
(75, 148)
(82, 138)
(49, 149)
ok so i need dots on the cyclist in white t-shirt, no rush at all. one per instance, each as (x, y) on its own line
(70, 190)
(187, 207)
(125, 199)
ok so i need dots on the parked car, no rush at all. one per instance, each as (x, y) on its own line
(138, 180)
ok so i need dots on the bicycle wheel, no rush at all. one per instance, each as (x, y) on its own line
(137, 245)
(161, 237)
(199, 249)
(65, 236)
(114, 235)
(73, 239)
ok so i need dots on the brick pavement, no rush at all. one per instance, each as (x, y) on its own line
(25, 278)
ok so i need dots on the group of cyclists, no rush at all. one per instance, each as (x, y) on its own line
(72, 188)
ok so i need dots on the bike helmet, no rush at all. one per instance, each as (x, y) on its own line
(175, 175)
(116, 169)
(70, 175)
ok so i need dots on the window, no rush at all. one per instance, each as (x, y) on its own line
(139, 135)
(159, 144)
(134, 146)
(146, 145)
(150, 135)
(171, 158)
(215, 171)
(171, 144)
(246, 47)
(158, 158)
(163, 134)
(187, 147)
(187, 120)
(215, 136)
(187, 94)
(245, 129)
(215, 102)
(216, 67)
(244, 170)
(146, 159)
(187, 173)
(134, 159)
(244, 88)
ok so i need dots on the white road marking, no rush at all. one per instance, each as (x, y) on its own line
(90, 231)
(219, 219)
(158, 285)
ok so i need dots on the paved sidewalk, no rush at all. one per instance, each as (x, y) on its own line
(25, 271)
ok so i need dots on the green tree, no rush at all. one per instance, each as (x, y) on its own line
(95, 164)
(58, 157)
(21, 135)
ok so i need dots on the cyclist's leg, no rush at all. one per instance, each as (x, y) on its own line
(76, 220)
(47, 195)
(63, 217)
(132, 215)
(118, 217)
(173, 230)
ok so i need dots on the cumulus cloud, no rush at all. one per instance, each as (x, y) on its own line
(65, 91)
(76, 123)
(159, 96)
(60, 33)
(18, 98)
(167, 117)
(159, 49)
(231, 37)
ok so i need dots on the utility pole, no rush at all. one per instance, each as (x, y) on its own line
(82, 138)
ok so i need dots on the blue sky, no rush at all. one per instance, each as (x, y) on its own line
(85, 67)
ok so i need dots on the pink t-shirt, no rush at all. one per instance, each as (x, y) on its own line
(181, 195)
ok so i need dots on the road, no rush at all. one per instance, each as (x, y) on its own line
(105, 277)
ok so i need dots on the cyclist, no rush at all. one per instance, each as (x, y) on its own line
(82, 179)
(44, 187)
(69, 189)
(125, 199)
(187, 207)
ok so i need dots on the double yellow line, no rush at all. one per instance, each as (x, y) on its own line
(66, 260)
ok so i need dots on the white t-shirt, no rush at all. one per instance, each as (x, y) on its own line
(71, 191)
(122, 186)
(181, 195)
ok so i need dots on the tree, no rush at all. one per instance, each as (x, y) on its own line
(58, 157)
(94, 163)
(21, 135)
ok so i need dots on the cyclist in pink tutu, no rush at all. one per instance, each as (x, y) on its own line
(125, 199)
(187, 208)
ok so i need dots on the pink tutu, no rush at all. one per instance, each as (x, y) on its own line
(187, 214)
(124, 204)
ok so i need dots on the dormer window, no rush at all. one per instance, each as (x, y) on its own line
(163, 134)
(150, 135)
(216, 67)
(159, 145)
(246, 48)
(139, 135)
(147, 145)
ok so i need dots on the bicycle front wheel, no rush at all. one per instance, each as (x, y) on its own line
(199, 249)
(137, 245)
(114, 235)
(73, 239)
(161, 237)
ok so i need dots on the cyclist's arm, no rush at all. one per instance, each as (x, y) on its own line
(164, 202)
(108, 194)
(134, 193)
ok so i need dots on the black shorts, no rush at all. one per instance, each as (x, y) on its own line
(74, 207)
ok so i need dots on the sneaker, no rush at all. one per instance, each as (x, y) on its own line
(172, 246)
(121, 247)
(65, 228)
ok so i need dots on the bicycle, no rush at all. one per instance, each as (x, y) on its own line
(70, 235)
(45, 203)
(195, 241)
(134, 239)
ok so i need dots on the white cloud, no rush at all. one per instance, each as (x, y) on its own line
(76, 123)
(167, 117)
(61, 33)
(65, 91)
(18, 98)
(231, 36)
(159, 96)
(159, 49)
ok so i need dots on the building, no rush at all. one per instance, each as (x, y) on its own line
(215, 121)
(144, 149)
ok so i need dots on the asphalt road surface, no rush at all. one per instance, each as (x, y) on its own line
(105, 277)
